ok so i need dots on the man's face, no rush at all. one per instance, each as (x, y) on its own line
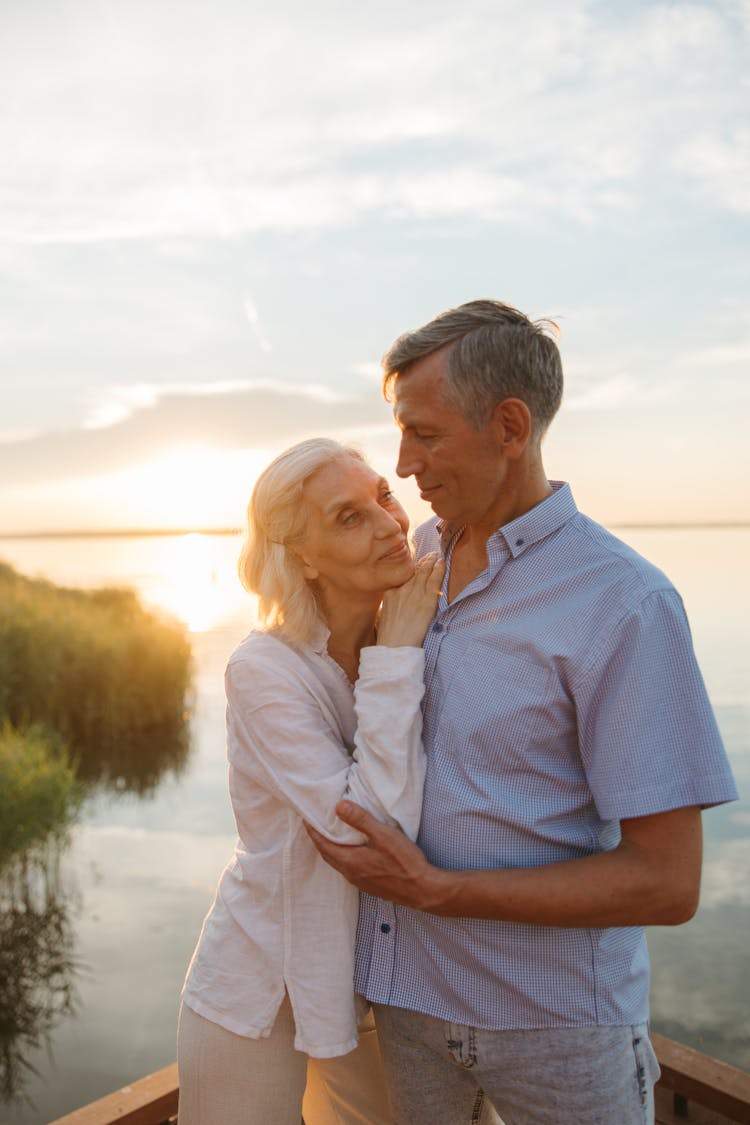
(459, 470)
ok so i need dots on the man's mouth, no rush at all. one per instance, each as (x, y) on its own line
(426, 491)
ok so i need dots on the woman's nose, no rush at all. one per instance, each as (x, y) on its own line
(388, 524)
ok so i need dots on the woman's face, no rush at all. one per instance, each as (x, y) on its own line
(355, 540)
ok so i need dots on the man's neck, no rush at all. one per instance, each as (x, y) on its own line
(469, 556)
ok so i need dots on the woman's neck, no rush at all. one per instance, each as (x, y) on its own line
(352, 627)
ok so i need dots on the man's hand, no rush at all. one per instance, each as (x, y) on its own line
(651, 878)
(388, 864)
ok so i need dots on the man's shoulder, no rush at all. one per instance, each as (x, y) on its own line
(427, 536)
(619, 558)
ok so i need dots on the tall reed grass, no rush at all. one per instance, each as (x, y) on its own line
(39, 792)
(93, 688)
(106, 675)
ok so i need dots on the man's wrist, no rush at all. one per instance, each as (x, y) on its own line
(437, 890)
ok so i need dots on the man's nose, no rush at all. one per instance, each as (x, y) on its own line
(408, 464)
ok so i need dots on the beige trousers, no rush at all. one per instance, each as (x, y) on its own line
(228, 1079)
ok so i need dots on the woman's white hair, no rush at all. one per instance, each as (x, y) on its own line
(277, 517)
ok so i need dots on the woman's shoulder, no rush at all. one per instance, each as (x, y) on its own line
(262, 645)
(267, 656)
(265, 667)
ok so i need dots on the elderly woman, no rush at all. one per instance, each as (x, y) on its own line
(322, 703)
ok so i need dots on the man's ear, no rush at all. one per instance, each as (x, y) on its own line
(511, 420)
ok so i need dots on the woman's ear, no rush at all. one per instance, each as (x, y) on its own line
(511, 420)
(308, 570)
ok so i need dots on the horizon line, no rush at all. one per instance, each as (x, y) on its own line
(149, 532)
(120, 533)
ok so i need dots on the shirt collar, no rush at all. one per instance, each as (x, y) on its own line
(523, 532)
(318, 642)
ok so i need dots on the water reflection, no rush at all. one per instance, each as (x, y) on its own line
(139, 764)
(38, 958)
(193, 581)
(37, 961)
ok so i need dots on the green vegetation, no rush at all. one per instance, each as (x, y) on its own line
(93, 689)
(107, 676)
(39, 793)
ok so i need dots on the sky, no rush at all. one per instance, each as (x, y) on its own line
(216, 217)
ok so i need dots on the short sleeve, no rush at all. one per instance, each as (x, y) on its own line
(648, 736)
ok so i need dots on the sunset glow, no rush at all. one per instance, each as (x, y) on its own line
(185, 293)
(197, 581)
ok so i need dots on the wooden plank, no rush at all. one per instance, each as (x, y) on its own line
(716, 1093)
(699, 1078)
(149, 1101)
(696, 1114)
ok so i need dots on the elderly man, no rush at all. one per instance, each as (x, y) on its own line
(570, 745)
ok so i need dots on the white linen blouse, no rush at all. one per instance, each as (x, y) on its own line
(299, 738)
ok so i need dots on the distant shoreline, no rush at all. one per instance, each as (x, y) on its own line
(156, 533)
(122, 533)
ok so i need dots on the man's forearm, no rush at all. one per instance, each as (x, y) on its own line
(609, 889)
(651, 878)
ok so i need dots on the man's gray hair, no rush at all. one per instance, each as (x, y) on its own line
(493, 352)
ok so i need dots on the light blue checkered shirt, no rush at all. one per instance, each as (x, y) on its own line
(562, 695)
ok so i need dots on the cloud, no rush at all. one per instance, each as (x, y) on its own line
(719, 166)
(713, 354)
(152, 420)
(120, 402)
(611, 392)
(268, 120)
(253, 319)
(369, 370)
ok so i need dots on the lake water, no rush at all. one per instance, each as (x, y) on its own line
(139, 873)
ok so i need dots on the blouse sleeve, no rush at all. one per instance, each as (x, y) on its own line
(284, 735)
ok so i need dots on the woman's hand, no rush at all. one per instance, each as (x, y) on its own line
(409, 609)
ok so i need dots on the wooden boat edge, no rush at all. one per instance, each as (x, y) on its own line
(693, 1087)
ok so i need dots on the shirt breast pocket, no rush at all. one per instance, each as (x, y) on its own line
(508, 703)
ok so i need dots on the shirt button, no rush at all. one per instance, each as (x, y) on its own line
(385, 928)
(437, 627)
(519, 542)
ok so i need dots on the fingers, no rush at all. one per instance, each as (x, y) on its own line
(357, 817)
(351, 813)
(407, 610)
(431, 569)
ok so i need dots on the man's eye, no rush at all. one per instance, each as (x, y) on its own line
(349, 519)
(387, 497)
